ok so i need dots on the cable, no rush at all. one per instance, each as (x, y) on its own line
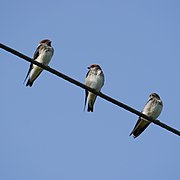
(77, 83)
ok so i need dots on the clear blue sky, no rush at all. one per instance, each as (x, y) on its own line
(44, 133)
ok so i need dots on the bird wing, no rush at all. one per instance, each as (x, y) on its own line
(87, 83)
(30, 68)
(36, 54)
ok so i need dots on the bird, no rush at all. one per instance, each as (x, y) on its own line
(152, 108)
(94, 79)
(43, 54)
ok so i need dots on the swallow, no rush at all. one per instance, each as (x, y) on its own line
(43, 54)
(152, 109)
(95, 80)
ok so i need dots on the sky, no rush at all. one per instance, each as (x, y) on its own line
(44, 132)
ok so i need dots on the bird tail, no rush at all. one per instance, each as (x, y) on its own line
(90, 107)
(29, 83)
(139, 128)
(91, 101)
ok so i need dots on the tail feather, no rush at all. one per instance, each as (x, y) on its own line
(90, 108)
(91, 101)
(137, 131)
(32, 79)
(30, 68)
(29, 83)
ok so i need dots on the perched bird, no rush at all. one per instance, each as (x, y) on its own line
(43, 54)
(95, 80)
(152, 109)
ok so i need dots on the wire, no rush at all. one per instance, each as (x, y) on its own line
(100, 94)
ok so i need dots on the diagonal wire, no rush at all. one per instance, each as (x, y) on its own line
(102, 95)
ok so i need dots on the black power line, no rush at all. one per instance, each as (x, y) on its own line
(77, 83)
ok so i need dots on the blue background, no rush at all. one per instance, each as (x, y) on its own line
(44, 133)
